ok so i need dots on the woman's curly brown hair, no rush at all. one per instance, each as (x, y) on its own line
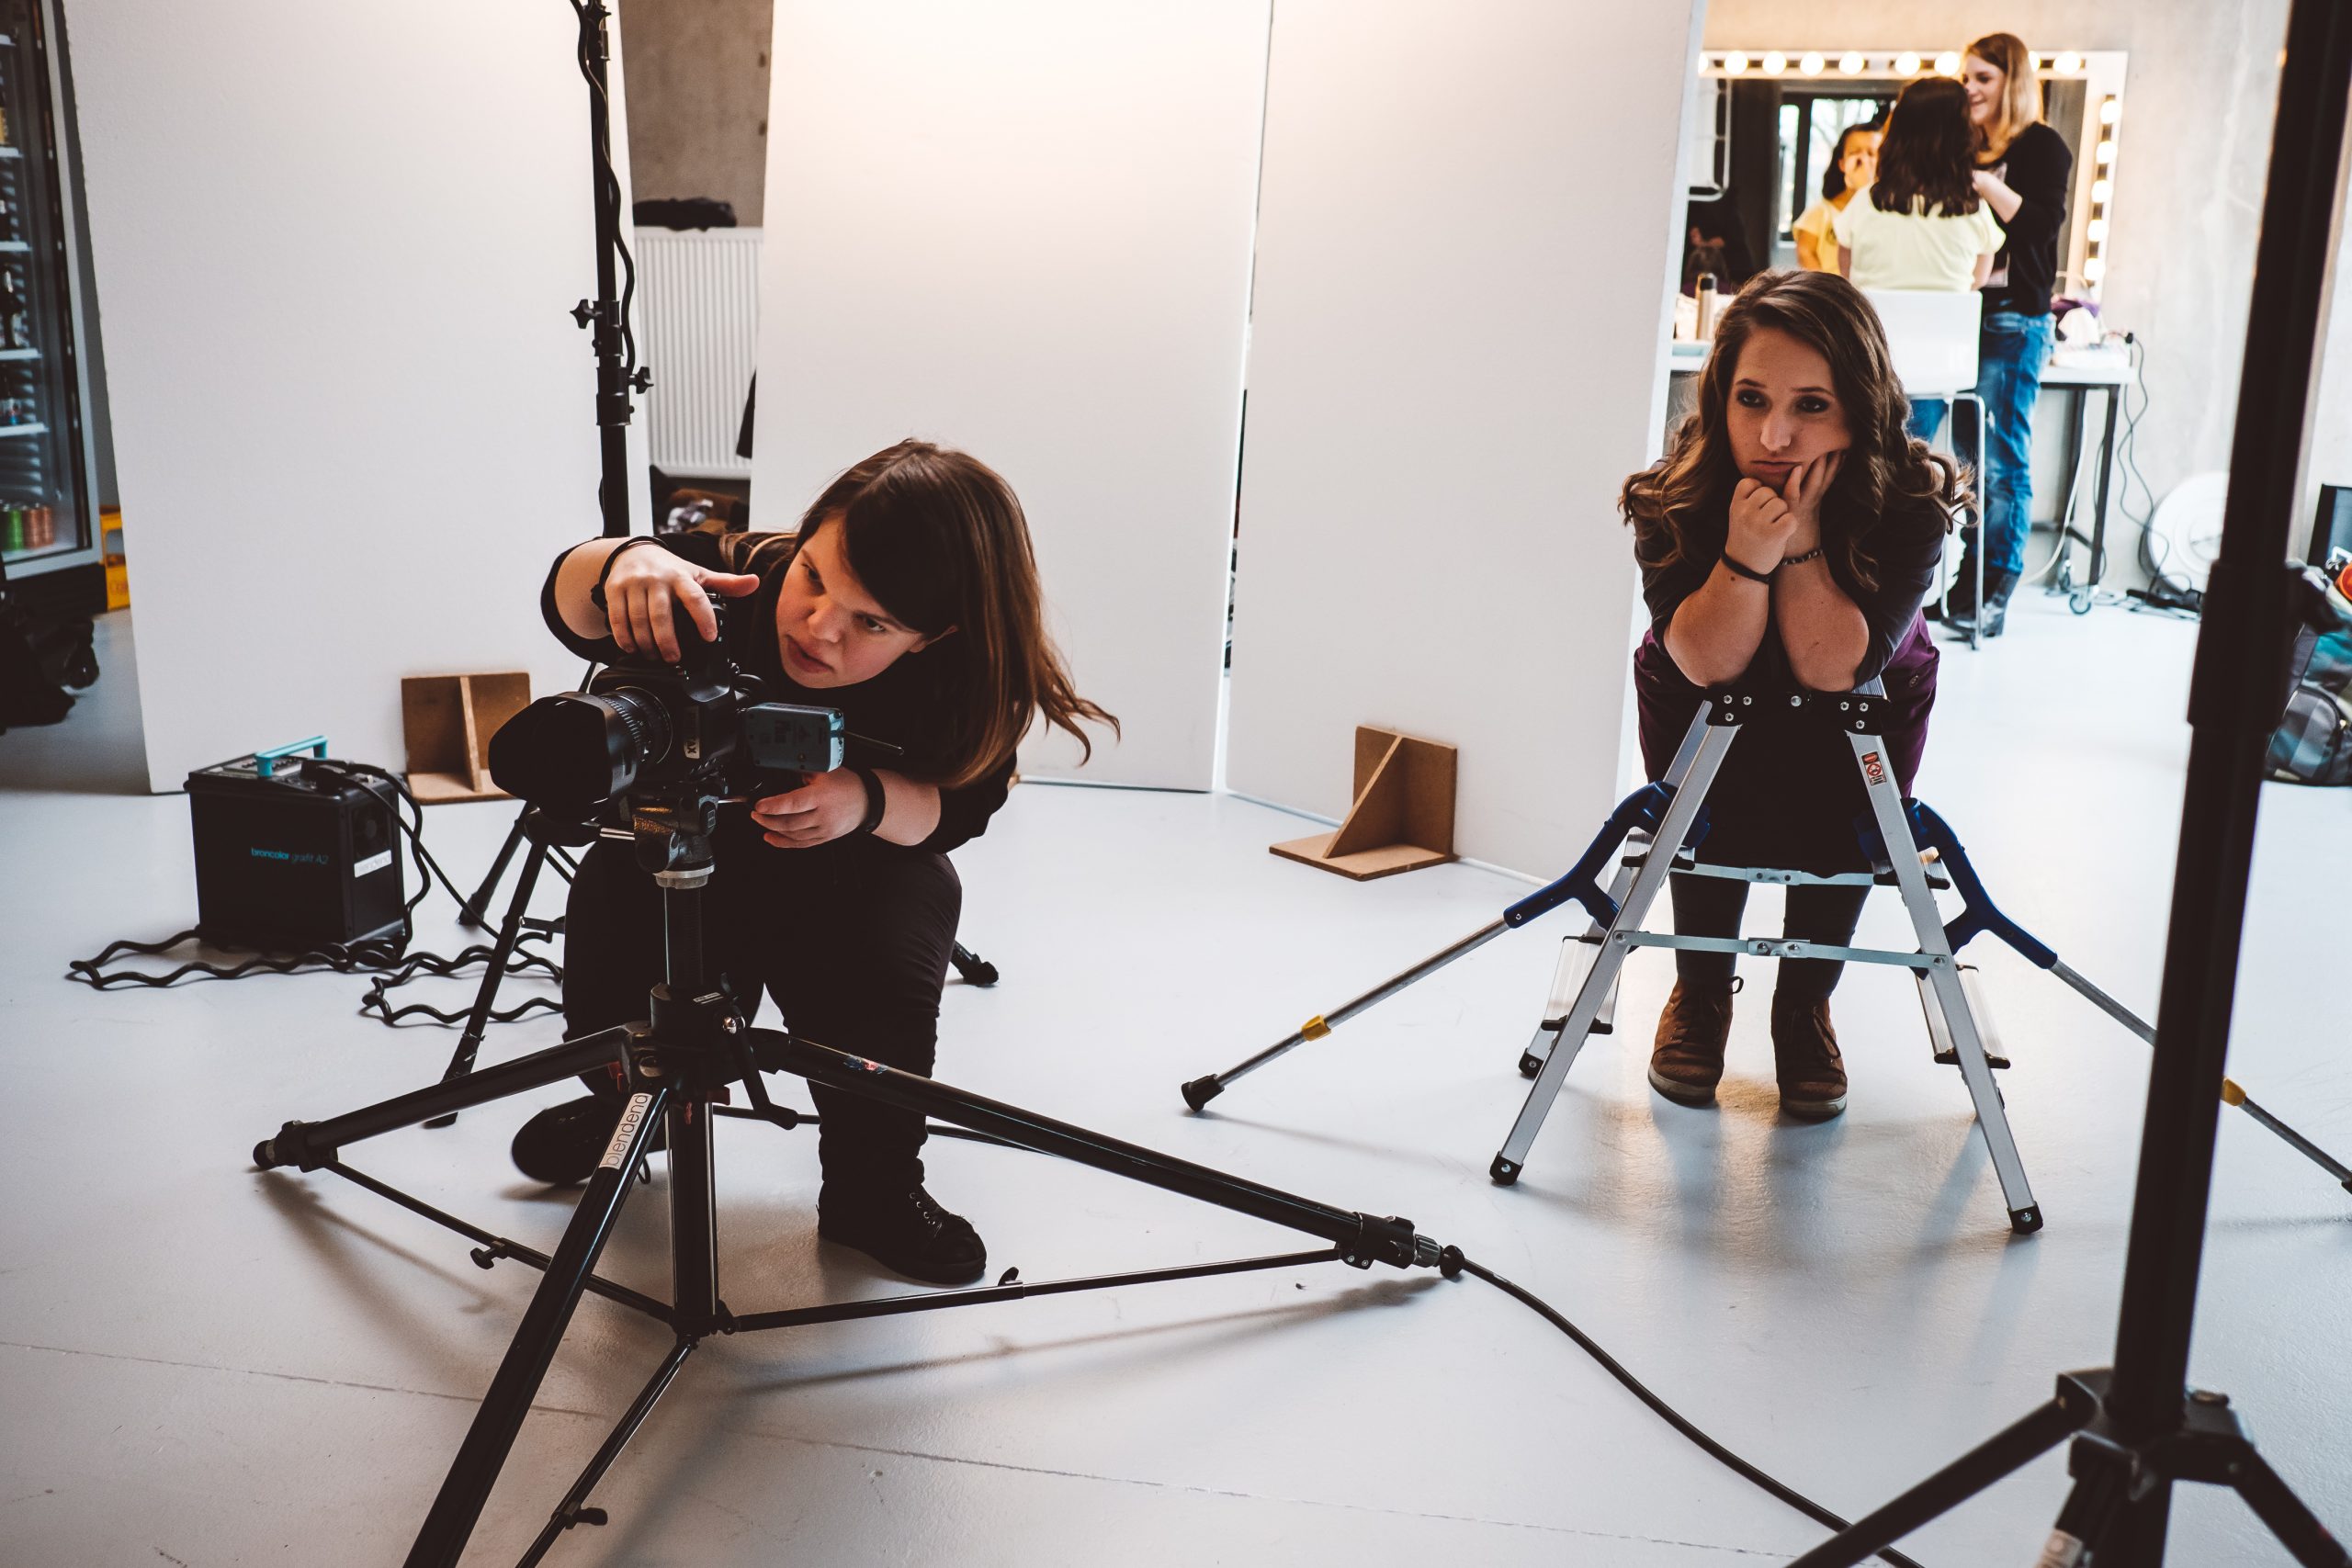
(1889, 483)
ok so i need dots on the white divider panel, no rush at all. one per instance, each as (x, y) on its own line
(1022, 229)
(335, 245)
(1466, 246)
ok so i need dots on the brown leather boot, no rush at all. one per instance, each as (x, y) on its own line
(1804, 1049)
(1687, 1061)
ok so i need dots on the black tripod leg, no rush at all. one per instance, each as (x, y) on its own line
(311, 1144)
(2297, 1527)
(1963, 1478)
(570, 1511)
(470, 913)
(459, 1502)
(510, 930)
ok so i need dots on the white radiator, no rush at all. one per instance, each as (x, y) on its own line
(697, 313)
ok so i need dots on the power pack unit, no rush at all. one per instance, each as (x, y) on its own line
(292, 853)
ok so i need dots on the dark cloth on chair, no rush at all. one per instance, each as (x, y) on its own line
(851, 939)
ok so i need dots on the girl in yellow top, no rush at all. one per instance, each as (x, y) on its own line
(1921, 225)
(1855, 167)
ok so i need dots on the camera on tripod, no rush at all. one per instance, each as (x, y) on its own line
(695, 730)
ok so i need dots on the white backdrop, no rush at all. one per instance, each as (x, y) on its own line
(334, 247)
(1465, 253)
(1024, 229)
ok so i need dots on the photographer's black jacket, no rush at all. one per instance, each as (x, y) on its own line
(900, 706)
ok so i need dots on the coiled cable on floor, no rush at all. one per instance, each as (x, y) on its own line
(1450, 1261)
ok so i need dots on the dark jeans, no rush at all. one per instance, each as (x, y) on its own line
(1710, 905)
(2010, 359)
(851, 939)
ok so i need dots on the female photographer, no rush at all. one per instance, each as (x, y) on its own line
(1785, 542)
(909, 600)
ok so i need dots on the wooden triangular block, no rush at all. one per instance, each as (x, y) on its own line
(1403, 815)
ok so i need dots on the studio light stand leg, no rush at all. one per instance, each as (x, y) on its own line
(510, 931)
(2147, 1430)
(458, 1505)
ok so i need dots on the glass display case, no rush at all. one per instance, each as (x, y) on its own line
(48, 513)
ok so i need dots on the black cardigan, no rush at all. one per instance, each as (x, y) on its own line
(2037, 166)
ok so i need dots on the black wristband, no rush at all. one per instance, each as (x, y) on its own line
(877, 800)
(1738, 571)
(596, 595)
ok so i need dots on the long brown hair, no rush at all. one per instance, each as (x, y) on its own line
(2020, 104)
(1928, 153)
(938, 538)
(1889, 485)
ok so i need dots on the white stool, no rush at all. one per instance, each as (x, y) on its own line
(1932, 336)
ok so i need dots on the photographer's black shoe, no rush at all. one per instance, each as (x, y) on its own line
(561, 1144)
(910, 1233)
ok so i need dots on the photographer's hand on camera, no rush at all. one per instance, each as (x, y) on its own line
(640, 582)
(642, 587)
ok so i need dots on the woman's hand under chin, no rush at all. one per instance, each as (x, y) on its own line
(828, 806)
(1802, 492)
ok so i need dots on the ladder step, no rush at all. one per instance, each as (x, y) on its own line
(1950, 1058)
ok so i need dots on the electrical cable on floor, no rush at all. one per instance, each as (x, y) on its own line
(1664, 1412)
(1451, 1261)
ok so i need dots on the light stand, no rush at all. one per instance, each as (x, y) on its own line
(693, 1044)
(2138, 1428)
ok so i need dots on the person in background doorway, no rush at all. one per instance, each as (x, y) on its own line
(2023, 168)
(1855, 167)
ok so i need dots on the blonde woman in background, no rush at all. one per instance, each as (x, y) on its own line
(1855, 167)
(2023, 169)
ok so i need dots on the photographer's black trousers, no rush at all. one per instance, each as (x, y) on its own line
(851, 940)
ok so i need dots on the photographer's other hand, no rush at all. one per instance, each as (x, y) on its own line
(645, 585)
(828, 806)
(1761, 521)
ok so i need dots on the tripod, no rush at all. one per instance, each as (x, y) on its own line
(2137, 1429)
(692, 1046)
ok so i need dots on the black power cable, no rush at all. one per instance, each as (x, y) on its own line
(1451, 1264)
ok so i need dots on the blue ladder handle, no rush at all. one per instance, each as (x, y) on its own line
(1646, 808)
(1979, 914)
(316, 745)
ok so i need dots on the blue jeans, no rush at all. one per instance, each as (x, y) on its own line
(2008, 377)
(2010, 358)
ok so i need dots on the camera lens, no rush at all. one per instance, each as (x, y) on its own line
(572, 751)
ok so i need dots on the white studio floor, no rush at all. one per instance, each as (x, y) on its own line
(203, 1365)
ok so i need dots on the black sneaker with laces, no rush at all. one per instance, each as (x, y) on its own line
(561, 1144)
(910, 1233)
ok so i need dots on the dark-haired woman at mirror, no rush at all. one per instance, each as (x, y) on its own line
(908, 599)
(1786, 542)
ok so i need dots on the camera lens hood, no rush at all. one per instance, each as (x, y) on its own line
(570, 752)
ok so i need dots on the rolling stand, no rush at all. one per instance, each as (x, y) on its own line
(692, 1046)
(2137, 1429)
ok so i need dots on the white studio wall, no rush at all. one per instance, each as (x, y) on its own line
(1024, 229)
(335, 247)
(1465, 255)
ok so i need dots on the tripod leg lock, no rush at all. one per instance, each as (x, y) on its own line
(291, 1147)
(1392, 1241)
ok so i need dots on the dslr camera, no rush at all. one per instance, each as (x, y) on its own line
(666, 735)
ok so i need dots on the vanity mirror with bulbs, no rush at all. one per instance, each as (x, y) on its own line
(1764, 129)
